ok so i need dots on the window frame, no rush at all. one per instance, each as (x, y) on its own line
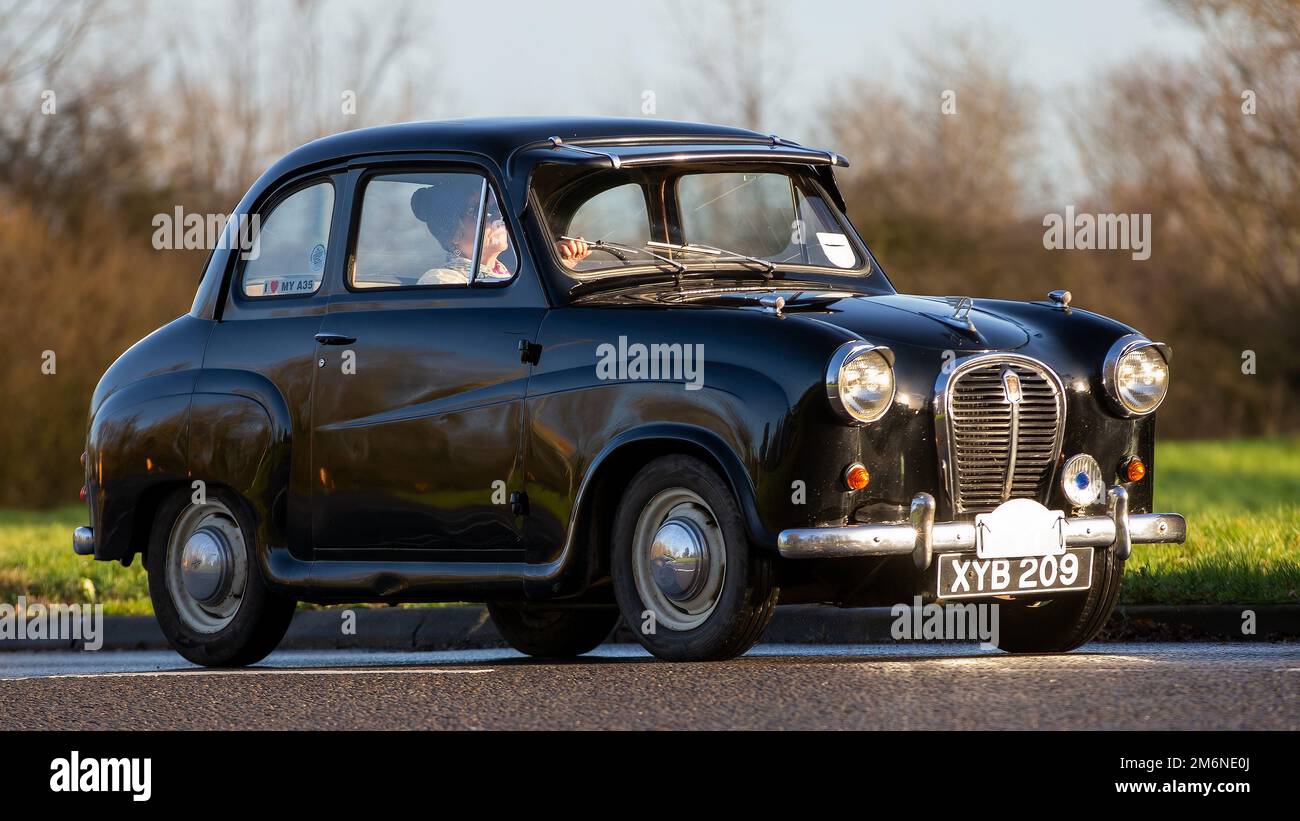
(274, 202)
(357, 206)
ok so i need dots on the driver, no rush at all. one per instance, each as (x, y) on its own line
(454, 229)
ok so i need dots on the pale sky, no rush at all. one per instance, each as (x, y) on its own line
(598, 57)
(593, 57)
(532, 57)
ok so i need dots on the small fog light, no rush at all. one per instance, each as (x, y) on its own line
(856, 476)
(1135, 470)
(1081, 480)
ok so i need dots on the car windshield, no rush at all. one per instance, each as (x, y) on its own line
(686, 218)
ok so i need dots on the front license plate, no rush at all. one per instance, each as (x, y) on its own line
(964, 575)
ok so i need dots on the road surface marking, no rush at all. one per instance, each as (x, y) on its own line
(256, 672)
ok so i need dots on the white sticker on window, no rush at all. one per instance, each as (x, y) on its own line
(295, 284)
(837, 249)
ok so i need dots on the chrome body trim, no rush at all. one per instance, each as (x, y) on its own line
(614, 161)
(922, 515)
(1117, 529)
(480, 223)
(734, 149)
(1117, 505)
(1013, 433)
(83, 541)
(948, 376)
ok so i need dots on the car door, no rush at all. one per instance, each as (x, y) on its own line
(417, 409)
(277, 296)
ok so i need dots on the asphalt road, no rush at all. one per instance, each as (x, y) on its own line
(879, 686)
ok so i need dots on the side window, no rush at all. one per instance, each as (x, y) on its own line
(288, 256)
(419, 230)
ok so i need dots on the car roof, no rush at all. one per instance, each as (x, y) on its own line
(498, 137)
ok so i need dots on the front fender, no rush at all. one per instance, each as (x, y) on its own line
(242, 436)
(136, 446)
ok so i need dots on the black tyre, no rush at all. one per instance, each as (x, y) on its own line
(1066, 622)
(552, 632)
(205, 584)
(687, 582)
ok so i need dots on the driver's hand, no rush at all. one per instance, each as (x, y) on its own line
(573, 251)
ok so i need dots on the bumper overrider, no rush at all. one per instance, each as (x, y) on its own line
(923, 537)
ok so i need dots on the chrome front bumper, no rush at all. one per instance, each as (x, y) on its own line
(924, 537)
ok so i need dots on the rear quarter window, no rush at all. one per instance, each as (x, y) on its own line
(289, 254)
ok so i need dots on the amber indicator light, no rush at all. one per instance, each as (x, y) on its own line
(1134, 470)
(856, 477)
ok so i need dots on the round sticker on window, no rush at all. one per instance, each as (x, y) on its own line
(318, 257)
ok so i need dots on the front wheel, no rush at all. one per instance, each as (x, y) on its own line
(206, 588)
(686, 580)
(1064, 623)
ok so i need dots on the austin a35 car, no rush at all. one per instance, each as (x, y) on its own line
(591, 370)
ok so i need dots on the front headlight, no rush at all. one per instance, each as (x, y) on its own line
(860, 381)
(1136, 375)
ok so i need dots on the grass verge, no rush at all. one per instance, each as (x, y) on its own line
(1241, 499)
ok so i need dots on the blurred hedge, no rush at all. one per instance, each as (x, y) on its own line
(951, 204)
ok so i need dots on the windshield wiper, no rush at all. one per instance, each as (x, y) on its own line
(621, 251)
(722, 254)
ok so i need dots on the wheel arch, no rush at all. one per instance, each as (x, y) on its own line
(229, 429)
(616, 464)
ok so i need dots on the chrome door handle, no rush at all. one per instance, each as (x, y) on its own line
(335, 339)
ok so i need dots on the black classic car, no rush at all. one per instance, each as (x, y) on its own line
(581, 369)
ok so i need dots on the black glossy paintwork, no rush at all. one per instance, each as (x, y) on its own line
(419, 434)
(380, 484)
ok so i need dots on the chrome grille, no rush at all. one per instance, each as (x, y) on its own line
(999, 449)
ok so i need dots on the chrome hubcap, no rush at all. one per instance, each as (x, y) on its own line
(679, 559)
(207, 566)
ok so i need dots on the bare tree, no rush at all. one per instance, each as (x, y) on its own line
(37, 38)
(952, 144)
(732, 59)
(265, 79)
(1220, 146)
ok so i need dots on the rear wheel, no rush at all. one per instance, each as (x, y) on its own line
(686, 580)
(552, 632)
(206, 588)
(1066, 622)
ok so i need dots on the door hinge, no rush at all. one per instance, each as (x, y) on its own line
(529, 352)
(519, 503)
